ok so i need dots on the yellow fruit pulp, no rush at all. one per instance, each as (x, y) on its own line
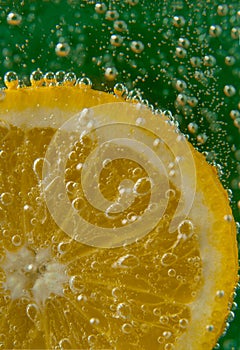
(164, 291)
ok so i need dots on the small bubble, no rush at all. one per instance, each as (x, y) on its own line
(215, 31)
(60, 76)
(16, 240)
(112, 15)
(120, 26)
(62, 49)
(201, 138)
(65, 344)
(49, 79)
(6, 198)
(222, 10)
(164, 320)
(69, 79)
(76, 284)
(142, 186)
(235, 33)
(171, 272)
(210, 328)
(195, 61)
(124, 310)
(229, 90)
(36, 78)
(116, 40)
(168, 259)
(183, 323)
(84, 83)
(127, 328)
(180, 52)
(14, 19)
(179, 21)
(120, 89)
(137, 46)
(100, 7)
(209, 61)
(11, 80)
(32, 312)
(185, 229)
(94, 321)
(192, 128)
(110, 73)
(230, 60)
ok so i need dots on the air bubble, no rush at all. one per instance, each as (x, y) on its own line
(100, 7)
(168, 259)
(137, 46)
(180, 85)
(120, 26)
(120, 89)
(185, 229)
(235, 33)
(164, 320)
(183, 322)
(116, 40)
(14, 19)
(94, 321)
(169, 346)
(215, 31)
(201, 138)
(60, 76)
(142, 186)
(181, 52)
(124, 310)
(69, 79)
(230, 60)
(209, 61)
(16, 240)
(36, 78)
(171, 272)
(76, 284)
(62, 49)
(110, 73)
(65, 344)
(132, 2)
(11, 80)
(112, 15)
(127, 328)
(49, 79)
(32, 312)
(6, 198)
(210, 328)
(222, 10)
(179, 21)
(84, 83)
(229, 90)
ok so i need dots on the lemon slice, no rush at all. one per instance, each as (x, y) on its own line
(115, 232)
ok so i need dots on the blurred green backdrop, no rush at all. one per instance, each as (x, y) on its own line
(179, 55)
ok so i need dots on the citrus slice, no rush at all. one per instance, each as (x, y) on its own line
(115, 232)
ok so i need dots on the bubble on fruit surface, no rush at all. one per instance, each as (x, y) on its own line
(125, 223)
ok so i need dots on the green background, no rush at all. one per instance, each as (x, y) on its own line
(205, 61)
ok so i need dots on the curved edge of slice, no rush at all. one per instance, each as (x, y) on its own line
(219, 257)
(61, 99)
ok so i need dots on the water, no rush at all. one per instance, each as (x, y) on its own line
(182, 57)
